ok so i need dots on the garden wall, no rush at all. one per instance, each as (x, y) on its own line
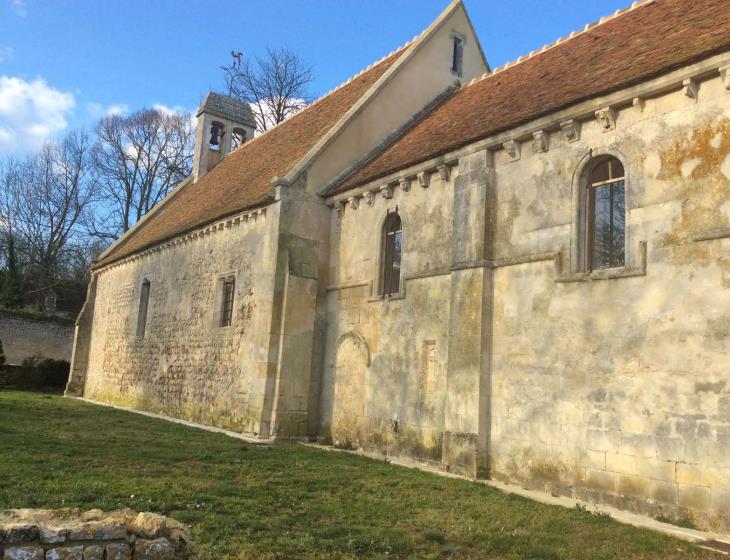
(67, 534)
(23, 336)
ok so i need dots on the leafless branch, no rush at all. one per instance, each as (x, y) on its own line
(45, 200)
(275, 87)
(139, 158)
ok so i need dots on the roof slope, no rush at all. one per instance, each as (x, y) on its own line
(243, 178)
(643, 42)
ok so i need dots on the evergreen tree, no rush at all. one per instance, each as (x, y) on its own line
(2, 354)
(10, 294)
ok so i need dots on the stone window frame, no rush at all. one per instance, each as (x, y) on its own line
(216, 318)
(377, 288)
(580, 257)
(453, 37)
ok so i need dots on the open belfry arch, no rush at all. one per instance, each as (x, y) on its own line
(496, 272)
(223, 124)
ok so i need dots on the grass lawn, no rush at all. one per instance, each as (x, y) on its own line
(288, 501)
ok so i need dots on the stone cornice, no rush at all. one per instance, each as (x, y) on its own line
(248, 217)
(687, 79)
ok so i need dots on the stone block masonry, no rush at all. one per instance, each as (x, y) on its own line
(23, 336)
(509, 348)
(68, 534)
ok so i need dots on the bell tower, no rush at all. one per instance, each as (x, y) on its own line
(223, 125)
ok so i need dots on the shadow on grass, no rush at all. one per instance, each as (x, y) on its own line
(288, 501)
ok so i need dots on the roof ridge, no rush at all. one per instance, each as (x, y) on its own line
(334, 89)
(588, 27)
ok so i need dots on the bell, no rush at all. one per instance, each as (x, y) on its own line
(216, 133)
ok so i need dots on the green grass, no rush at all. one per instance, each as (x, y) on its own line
(288, 501)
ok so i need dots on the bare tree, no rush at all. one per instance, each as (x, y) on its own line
(139, 158)
(45, 200)
(275, 87)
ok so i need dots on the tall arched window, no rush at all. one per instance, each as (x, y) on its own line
(606, 213)
(392, 252)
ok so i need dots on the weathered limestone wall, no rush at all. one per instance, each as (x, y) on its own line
(23, 337)
(400, 375)
(303, 259)
(68, 534)
(385, 361)
(499, 356)
(187, 365)
(502, 357)
(618, 390)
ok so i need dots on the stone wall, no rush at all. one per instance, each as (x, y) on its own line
(615, 388)
(67, 534)
(500, 356)
(402, 374)
(24, 336)
(385, 361)
(609, 386)
(186, 365)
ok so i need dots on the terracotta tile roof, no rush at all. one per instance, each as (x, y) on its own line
(243, 179)
(646, 41)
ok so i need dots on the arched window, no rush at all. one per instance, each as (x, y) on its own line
(606, 213)
(392, 252)
(238, 137)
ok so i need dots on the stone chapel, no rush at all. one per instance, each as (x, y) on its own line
(519, 273)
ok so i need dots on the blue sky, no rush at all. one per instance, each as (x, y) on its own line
(65, 62)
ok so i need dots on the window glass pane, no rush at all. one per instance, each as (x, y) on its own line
(387, 263)
(617, 169)
(601, 226)
(395, 284)
(608, 225)
(391, 254)
(600, 173)
(618, 223)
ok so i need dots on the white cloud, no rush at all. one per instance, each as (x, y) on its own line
(176, 110)
(30, 112)
(19, 7)
(268, 114)
(97, 110)
(167, 110)
(5, 52)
